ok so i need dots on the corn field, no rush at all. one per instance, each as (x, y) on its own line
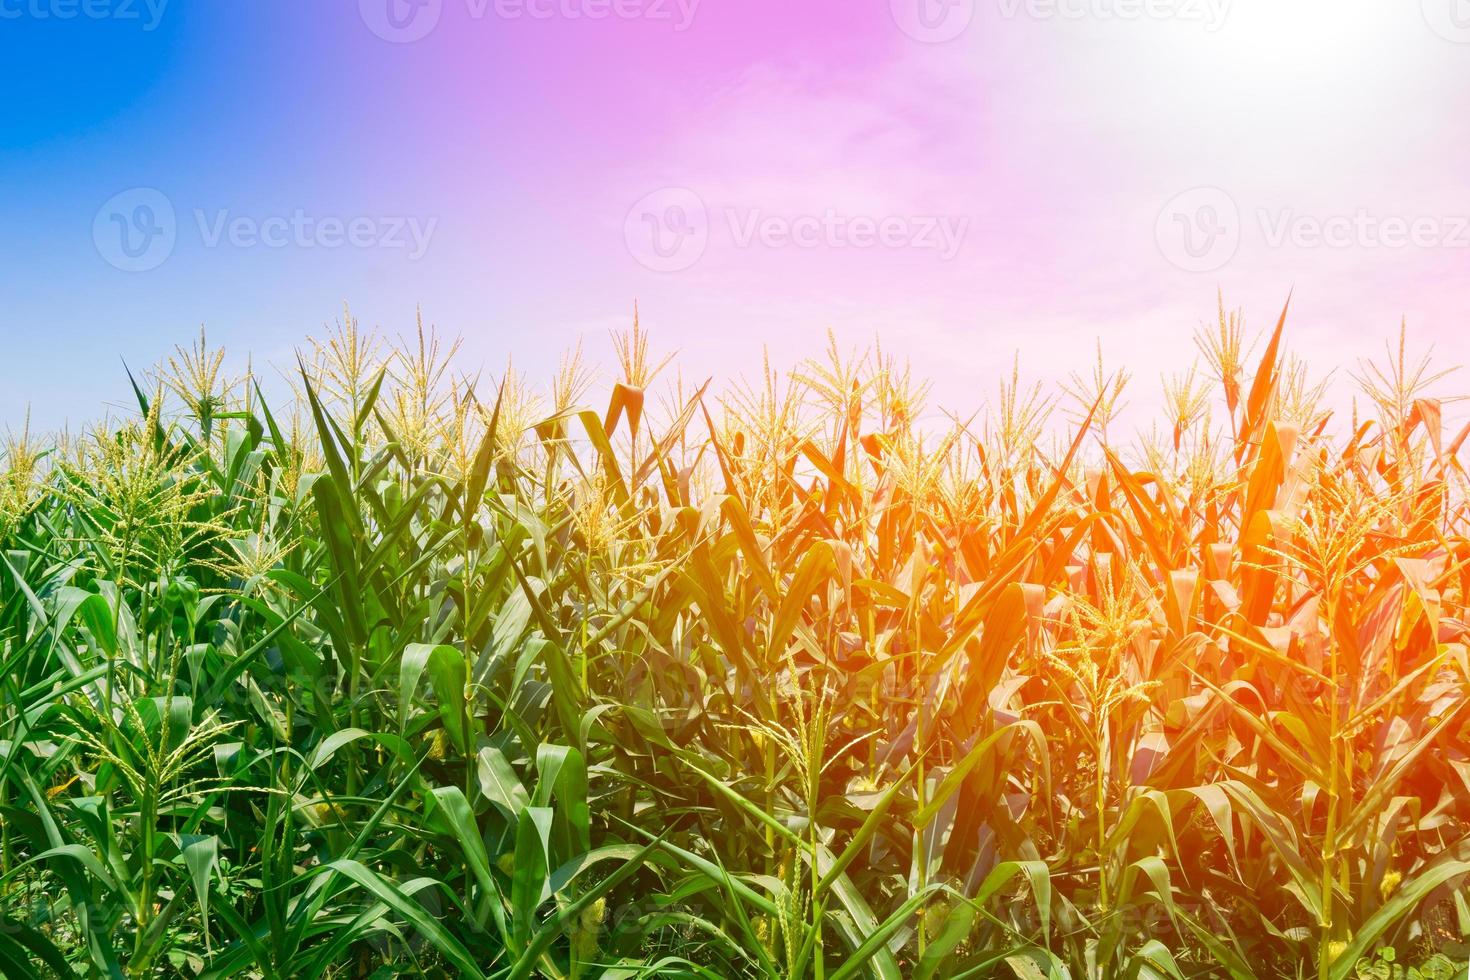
(419, 674)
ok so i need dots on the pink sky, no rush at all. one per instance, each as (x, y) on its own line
(1054, 136)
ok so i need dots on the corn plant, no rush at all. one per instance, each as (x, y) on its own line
(410, 672)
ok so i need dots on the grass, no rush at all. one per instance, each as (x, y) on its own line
(424, 674)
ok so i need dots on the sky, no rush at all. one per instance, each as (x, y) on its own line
(966, 180)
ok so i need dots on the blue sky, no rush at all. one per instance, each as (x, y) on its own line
(231, 109)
